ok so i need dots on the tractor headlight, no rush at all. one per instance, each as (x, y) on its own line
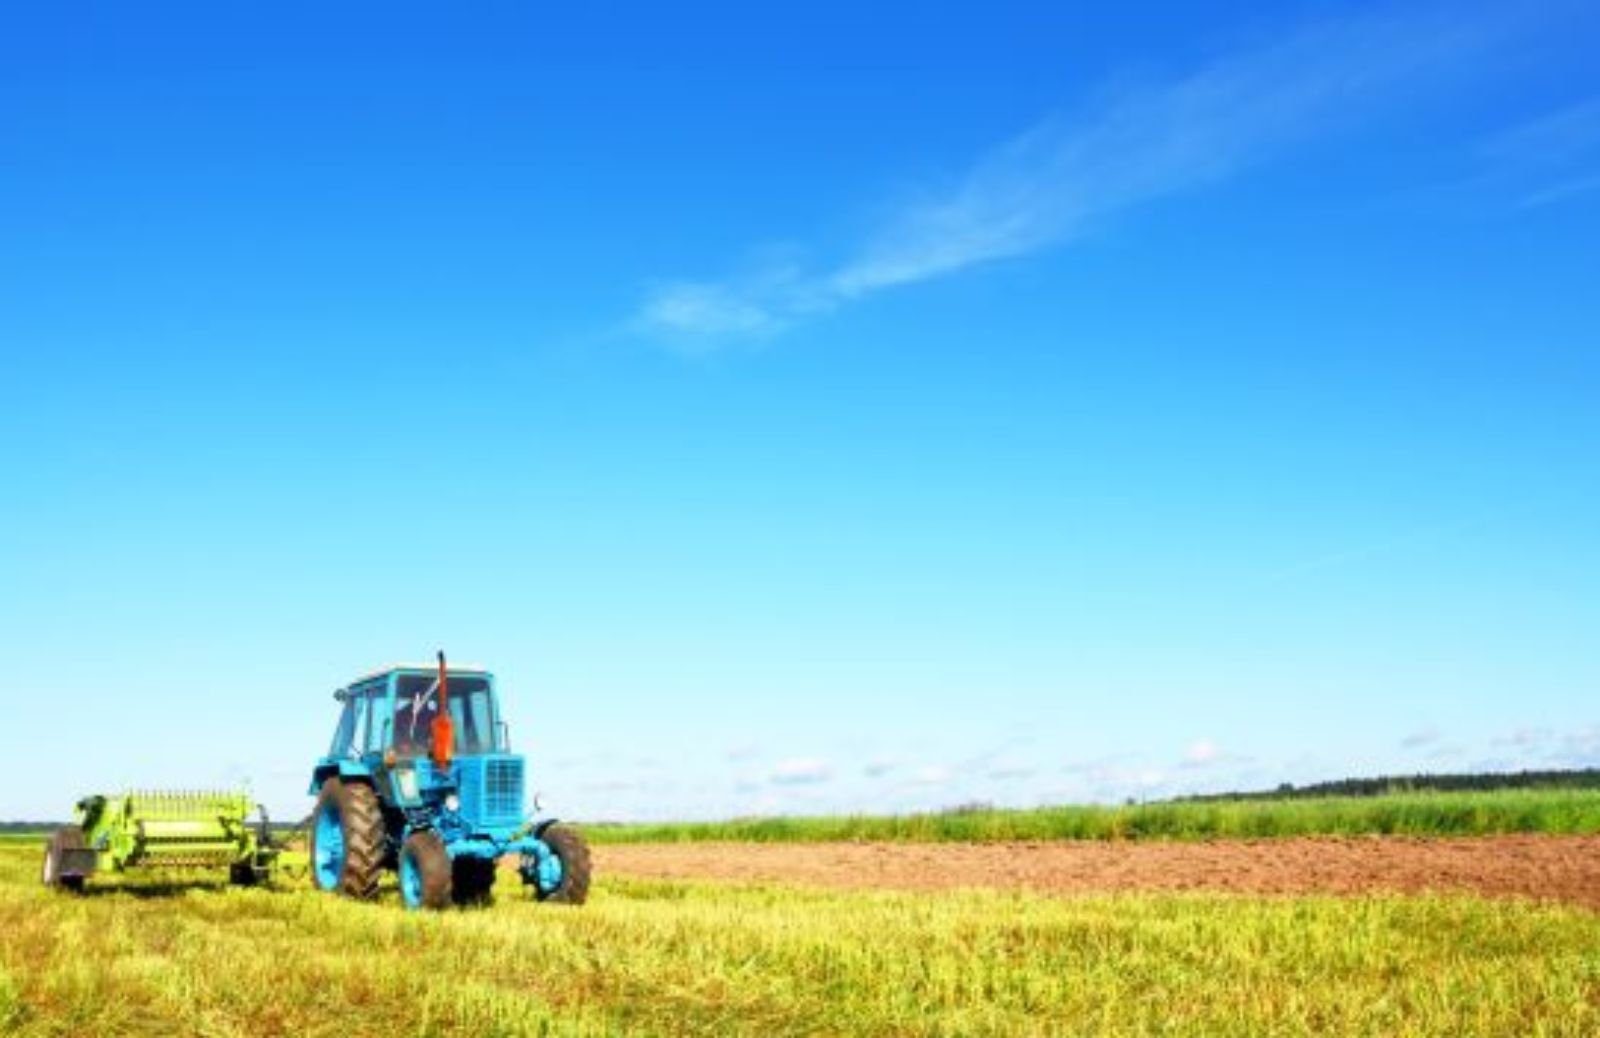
(452, 803)
(406, 782)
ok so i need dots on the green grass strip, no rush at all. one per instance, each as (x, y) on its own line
(1408, 814)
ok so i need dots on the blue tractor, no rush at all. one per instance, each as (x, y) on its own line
(421, 779)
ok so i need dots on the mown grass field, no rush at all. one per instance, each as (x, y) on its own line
(1567, 811)
(707, 959)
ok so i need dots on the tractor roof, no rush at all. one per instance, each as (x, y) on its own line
(423, 668)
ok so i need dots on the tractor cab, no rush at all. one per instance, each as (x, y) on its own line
(395, 710)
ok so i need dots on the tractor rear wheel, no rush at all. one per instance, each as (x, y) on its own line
(472, 880)
(67, 838)
(424, 871)
(573, 853)
(347, 839)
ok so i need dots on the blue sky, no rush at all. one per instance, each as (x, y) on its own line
(803, 410)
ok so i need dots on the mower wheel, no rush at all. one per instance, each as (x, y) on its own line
(347, 839)
(424, 871)
(472, 881)
(67, 838)
(573, 853)
(243, 874)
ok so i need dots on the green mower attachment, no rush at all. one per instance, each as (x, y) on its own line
(162, 829)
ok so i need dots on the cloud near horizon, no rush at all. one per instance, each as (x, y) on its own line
(1059, 178)
(1009, 776)
(801, 771)
(1422, 737)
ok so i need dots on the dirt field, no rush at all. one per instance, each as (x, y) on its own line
(1560, 868)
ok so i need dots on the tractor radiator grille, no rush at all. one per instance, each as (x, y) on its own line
(491, 791)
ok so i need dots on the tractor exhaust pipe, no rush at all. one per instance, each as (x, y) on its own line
(444, 733)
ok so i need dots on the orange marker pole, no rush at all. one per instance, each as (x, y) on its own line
(444, 733)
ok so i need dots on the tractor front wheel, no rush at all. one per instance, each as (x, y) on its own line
(424, 871)
(572, 852)
(347, 839)
(69, 838)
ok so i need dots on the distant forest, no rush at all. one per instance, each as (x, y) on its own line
(1582, 778)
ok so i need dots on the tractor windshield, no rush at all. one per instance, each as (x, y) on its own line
(416, 704)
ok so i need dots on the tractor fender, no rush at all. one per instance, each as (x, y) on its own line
(344, 769)
(538, 830)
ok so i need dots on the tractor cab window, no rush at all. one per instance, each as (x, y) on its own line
(360, 741)
(346, 730)
(416, 704)
(355, 734)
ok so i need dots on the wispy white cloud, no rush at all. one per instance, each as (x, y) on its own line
(801, 771)
(1060, 178)
(1010, 770)
(1557, 152)
(1525, 738)
(1205, 754)
(709, 309)
(1151, 779)
(1579, 748)
(1560, 191)
(1563, 134)
(1404, 541)
(1446, 754)
(610, 786)
(1421, 737)
(878, 768)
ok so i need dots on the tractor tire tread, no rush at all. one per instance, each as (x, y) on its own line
(433, 864)
(364, 838)
(364, 841)
(576, 865)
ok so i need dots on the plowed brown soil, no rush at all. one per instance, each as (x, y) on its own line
(1560, 868)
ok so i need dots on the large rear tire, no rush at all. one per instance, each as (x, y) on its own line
(347, 839)
(573, 853)
(67, 838)
(424, 871)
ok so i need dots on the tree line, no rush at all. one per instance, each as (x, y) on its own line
(1578, 778)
